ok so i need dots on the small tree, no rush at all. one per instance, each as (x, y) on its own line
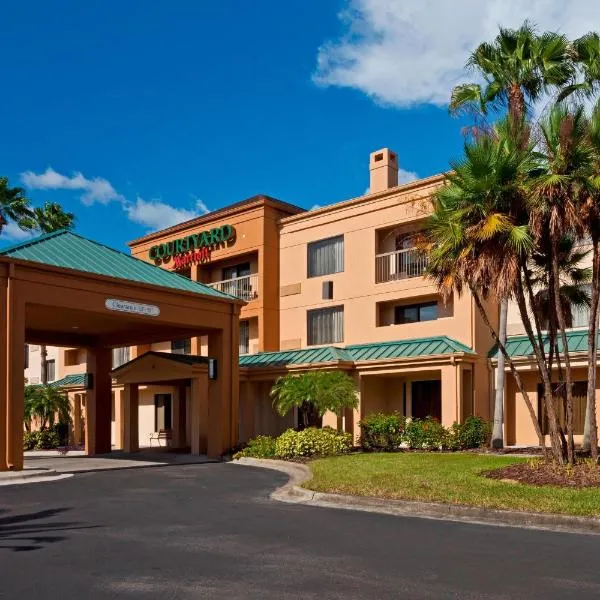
(46, 404)
(314, 393)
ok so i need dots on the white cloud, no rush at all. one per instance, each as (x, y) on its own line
(13, 233)
(200, 206)
(406, 176)
(94, 190)
(407, 52)
(155, 214)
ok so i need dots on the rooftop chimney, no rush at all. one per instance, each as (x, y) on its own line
(383, 167)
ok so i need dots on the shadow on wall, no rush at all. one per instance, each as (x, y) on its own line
(26, 532)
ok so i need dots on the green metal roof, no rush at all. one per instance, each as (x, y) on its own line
(186, 359)
(77, 379)
(71, 251)
(407, 348)
(519, 345)
(357, 352)
(295, 357)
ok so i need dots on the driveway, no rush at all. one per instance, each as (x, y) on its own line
(211, 531)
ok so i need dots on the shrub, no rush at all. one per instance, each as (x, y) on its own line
(30, 440)
(47, 439)
(427, 434)
(43, 439)
(312, 442)
(382, 432)
(261, 446)
(473, 433)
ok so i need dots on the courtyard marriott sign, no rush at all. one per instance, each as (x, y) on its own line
(194, 248)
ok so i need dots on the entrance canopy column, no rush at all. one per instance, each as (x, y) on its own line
(199, 414)
(14, 358)
(130, 407)
(179, 420)
(99, 402)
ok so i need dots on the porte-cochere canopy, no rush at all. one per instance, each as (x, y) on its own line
(65, 290)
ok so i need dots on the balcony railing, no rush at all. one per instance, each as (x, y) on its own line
(401, 264)
(245, 288)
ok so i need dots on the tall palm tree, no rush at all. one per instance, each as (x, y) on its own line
(478, 232)
(517, 67)
(591, 216)
(48, 218)
(14, 206)
(558, 193)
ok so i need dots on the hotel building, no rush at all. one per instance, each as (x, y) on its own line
(339, 287)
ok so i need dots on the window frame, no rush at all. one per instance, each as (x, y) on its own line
(51, 366)
(323, 310)
(418, 306)
(185, 349)
(314, 244)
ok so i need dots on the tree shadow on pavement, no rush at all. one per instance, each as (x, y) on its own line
(26, 532)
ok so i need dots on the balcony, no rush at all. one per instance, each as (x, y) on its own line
(245, 287)
(401, 264)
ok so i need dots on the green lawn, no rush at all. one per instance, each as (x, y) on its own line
(448, 478)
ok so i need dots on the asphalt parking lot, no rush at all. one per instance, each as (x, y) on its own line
(211, 531)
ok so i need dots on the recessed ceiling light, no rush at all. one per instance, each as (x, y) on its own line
(75, 327)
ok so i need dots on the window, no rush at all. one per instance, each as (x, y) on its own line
(51, 365)
(244, 337)
(326, 326)
(72, 357)
(162, 411)
(181, 346)
(579, 406)
(241, 270)
(120, 356)
(326, 257)
(414, 313)
(26, 356)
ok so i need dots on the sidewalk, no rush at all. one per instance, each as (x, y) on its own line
(299, 473)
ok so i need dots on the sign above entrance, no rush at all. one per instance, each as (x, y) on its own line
(135, 308)
(197, 241)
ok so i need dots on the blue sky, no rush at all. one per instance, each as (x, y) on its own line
(133, 114)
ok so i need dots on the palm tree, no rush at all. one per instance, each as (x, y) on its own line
(51, 217)
(314, 393)
(47, 404)
(14, 206)
(591, 216)
(48, 218)
(517, 67)
(477, 232)
(558, 193)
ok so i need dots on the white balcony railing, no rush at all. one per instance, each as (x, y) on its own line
(245, 288)
(401, 264)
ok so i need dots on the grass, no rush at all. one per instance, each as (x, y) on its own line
(448, 478)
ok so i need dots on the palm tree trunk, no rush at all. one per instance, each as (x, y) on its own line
(590, 431)
(497, 433)
(557, 449)
(44, 364)
(513, 370)
(560, 316)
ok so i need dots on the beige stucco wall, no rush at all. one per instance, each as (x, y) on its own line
(355, 288)
(34, 371)
(519, 428)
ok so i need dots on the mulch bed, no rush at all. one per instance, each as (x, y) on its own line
(582, 475)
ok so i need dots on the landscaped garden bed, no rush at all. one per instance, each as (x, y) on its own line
(540, 472)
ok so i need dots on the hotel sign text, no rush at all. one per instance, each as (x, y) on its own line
(193, 243)
(135, 308)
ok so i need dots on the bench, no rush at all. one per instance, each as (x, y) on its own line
(162, 434)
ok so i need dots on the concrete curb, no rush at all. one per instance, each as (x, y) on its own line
(31, 476)
(298, 473)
